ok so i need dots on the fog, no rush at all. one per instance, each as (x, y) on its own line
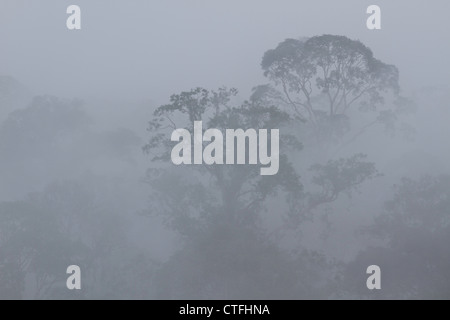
(86, 176)
(142, 49)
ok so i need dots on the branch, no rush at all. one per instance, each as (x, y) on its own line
(357, 97)
(360, 132)
(292, 102)
(171, 121)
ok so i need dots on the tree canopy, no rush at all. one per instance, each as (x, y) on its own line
(324, 78)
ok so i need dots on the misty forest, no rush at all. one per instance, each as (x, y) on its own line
(363, 180)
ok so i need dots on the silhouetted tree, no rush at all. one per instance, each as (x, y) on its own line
(321, 80)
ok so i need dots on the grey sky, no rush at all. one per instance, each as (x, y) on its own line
(150, 49)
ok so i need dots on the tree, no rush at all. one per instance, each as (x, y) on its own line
(13, 95)
(45, 120)
(217, 209)
(324, 78)
(34, 246)
(332, 85)
(35, 140)
(415, 229)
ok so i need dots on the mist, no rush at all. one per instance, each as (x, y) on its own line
(86, 177)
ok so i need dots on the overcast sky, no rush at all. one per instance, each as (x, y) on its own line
(150, 49)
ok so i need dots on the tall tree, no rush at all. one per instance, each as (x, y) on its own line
(218, 209)
(324, 78)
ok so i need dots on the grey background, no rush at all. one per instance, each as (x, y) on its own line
(127, 59)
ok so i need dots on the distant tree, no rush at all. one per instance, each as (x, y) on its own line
(35, 141)
(40, 127)
(214, 109)
(217, 209)
(415, 227)
(33, 246)
(324, 78)
(13, 95)
(67, 224)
